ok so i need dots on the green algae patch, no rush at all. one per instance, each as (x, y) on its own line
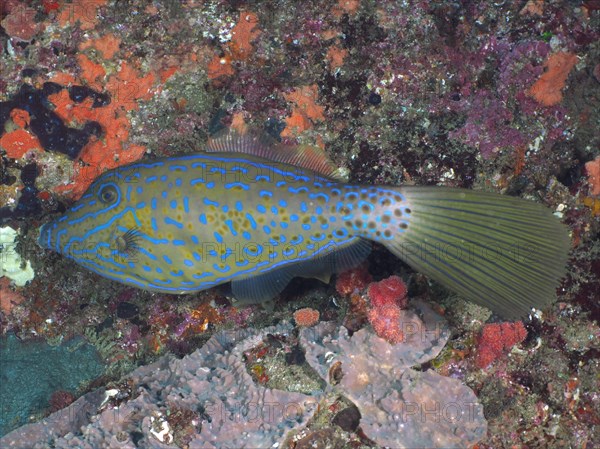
(33, 370)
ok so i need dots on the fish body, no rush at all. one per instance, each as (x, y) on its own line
(204, 219)
(241, 213)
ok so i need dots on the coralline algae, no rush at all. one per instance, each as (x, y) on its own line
(400, 407)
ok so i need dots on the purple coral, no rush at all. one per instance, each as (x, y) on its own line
(225, 408)
(400, 407)
(488, 126)
(232, 410)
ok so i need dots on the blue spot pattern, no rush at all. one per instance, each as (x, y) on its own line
(353, 209)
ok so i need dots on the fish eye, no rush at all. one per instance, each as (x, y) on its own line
(107, 194)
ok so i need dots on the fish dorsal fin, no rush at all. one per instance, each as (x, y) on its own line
(257, 144)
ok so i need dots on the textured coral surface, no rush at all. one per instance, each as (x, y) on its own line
(501, 96)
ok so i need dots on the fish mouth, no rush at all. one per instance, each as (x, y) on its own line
(45, 237)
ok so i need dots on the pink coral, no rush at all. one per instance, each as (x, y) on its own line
(496, 340)
(390, 291)
(306, 317)
(60, 399)
(20, 23)
(352, 281)
(8, 296)
(388, 297)
(386, 321)
(592, 169)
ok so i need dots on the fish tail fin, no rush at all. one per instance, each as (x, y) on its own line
(504, 253)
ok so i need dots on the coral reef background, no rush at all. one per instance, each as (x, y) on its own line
(502, 96)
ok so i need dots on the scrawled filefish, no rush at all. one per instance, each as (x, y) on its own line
(258, 215)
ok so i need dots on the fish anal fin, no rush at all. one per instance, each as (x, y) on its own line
(260, 288)
(263, 287)
(325, 278)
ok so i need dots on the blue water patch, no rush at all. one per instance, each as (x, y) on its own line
(31, 371)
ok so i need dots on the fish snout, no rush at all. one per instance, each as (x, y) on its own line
(45, 239)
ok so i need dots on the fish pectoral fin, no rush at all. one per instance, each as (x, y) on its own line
(266, 286)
